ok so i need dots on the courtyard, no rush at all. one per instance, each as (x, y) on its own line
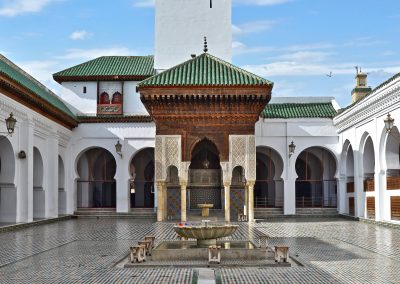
(330, 250)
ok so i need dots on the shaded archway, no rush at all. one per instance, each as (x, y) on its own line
(205, 175)
(238, 196)
(141, 185)
(368, 156)
(393, 172)
(38, 190)
(96, 186)
(349, 173)
(316, 183)
(268, 190)
(62, 197)
(173, 194)
(8, 194)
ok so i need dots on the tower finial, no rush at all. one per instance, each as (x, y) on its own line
(205, 44)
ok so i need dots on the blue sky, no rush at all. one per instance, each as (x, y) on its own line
(291, 42)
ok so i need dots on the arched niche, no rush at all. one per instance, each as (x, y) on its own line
(141, 188)
(62, 197)
(38, 191)
(269, 187)
(205, 175)
(96, 186)
(7, 162)
(316, 182)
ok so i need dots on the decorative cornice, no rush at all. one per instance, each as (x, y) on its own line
(61, 79)
(380, 101)
(116, 119)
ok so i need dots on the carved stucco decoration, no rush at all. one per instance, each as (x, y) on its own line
(242, 152)
(167, 153)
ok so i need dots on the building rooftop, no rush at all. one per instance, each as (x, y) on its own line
(25, 80)
(134, 68)
(300, 107)
(205, 70)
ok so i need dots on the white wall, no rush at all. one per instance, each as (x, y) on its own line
(181, 26)
(132, 102)
(72, 93)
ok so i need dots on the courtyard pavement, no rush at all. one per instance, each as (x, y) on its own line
(87, 251)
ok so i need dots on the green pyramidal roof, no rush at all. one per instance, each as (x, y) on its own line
(18, 75)
(205, 70)
(299, 110)
(110, 67)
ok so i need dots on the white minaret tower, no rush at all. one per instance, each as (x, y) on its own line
(181, 26)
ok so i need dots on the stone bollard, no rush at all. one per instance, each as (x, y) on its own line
(136, 254)
(152, 239)
(147, 246)
(263, 241)
(281, 253)
(214, 254)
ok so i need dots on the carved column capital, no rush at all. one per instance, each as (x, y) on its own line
(183, 184)
(161, 185)
(250, 184)
(227, 184)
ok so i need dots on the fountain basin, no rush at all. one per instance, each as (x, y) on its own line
(206, 235)
(188, 250)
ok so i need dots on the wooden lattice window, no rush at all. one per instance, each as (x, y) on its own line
(371, 207)
(351, 206)
(369, 185)
(350, 187)
(395, 207)
(393, 183)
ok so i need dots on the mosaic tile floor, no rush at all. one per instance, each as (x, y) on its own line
(87, 251)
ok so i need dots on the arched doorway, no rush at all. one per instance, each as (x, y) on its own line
(38, 191)
(141, 186)
(316, 183)
(268, 190)
(369, 177)
(7, 188)
(238, 196)
(62, 197)
(96, 186)
(393, 172)
(205, 176)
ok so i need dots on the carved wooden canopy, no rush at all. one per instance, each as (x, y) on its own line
(199, 112)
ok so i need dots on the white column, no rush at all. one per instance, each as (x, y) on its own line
(289, 196)
(183, 201)
(250, 188)
(51, 182)
(246, 201)
(161, 195)
(155, 196)
(358, 186)
(25, 185)
(227, 196)
(341, 194)
(122, 184)
(382, 206)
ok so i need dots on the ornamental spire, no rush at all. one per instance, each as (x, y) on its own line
(205, 45)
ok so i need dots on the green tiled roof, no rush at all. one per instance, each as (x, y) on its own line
(205, 70)
(111, 66)
(16, 74)
(299, 110)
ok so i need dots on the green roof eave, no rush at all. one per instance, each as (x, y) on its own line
(135, 68)
(205, 70)
(16, 74)
(299, 110)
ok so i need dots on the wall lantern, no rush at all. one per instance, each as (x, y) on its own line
(389, 121)
(292, 147)
(132, 188)
(10, 124)
(118, 148)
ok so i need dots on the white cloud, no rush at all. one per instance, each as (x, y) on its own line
(88, 54)
(79, 35)
(252, 27)
(240, 48)
(262, 2)
(144, 3)
(304, 56)
(13, 8)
